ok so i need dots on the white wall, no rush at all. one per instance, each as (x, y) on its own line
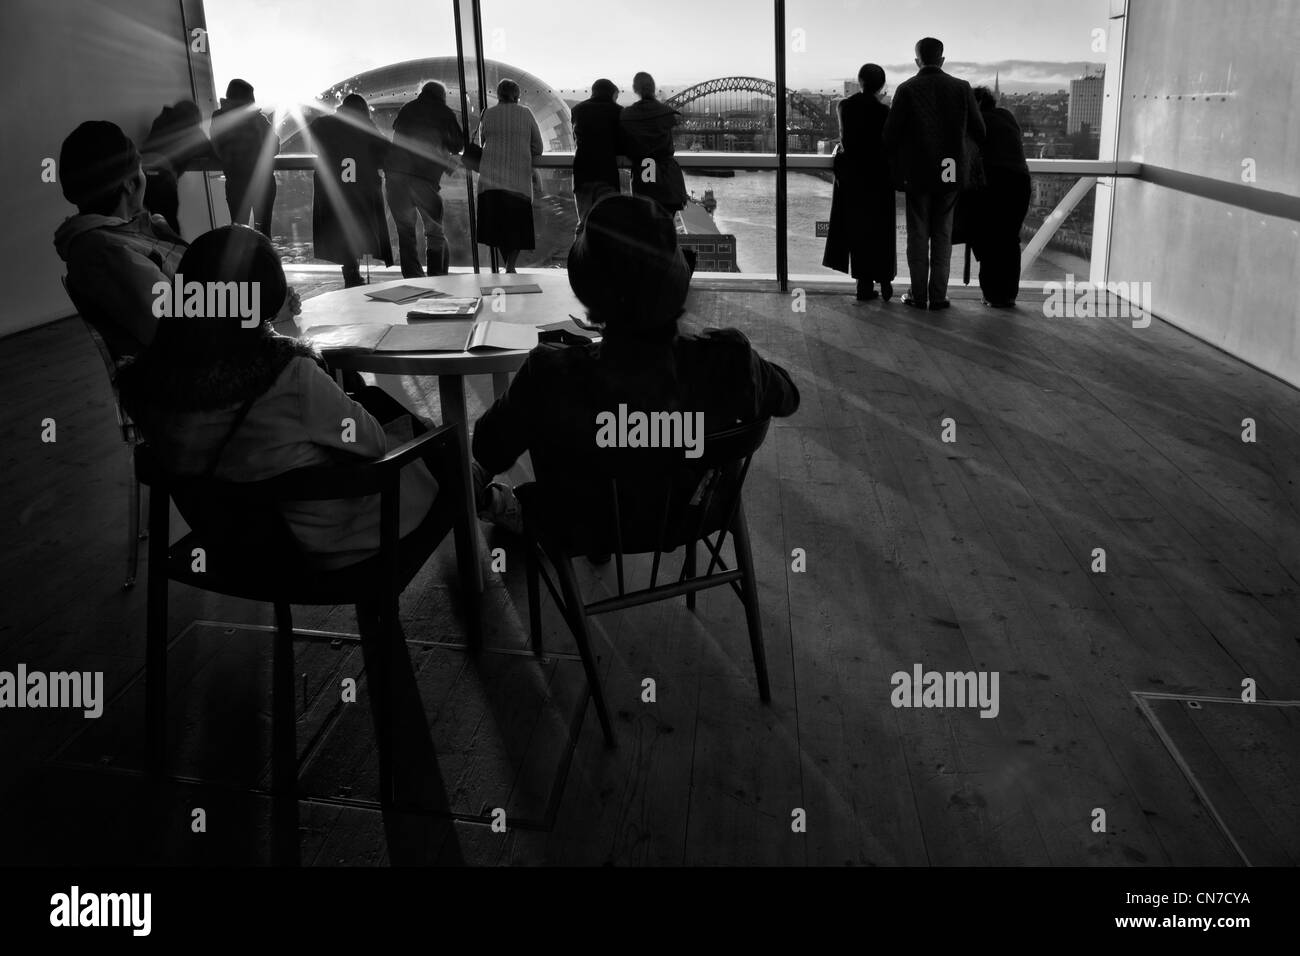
(63, 62)
(1208, 85)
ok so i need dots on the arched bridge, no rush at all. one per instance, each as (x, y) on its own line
(738, 113)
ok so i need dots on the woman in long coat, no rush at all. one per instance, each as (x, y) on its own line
(864, 229)
(511, 140)
(347, 213)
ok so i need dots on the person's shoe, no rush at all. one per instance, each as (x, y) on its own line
(1000, 305)
(866, 293)
(939, 305)
(886, 290)
(912, 302)
(502, 508)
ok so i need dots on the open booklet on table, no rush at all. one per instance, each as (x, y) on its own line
(451, 336)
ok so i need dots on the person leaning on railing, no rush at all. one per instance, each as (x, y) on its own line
(1000, 207)
(511, 140)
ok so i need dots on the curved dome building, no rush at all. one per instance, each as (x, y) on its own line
(387, 88)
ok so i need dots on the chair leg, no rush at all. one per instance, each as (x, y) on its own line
(691, 572)
(377, 643)
(155, 655)
(531, 572)
(471, 596)
(284, 744)
(132, 528)
(577, 618)
(749, 591)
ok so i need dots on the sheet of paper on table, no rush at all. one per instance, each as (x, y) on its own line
(522, 288)
(458, 337)
(404, 293)
(346, 338)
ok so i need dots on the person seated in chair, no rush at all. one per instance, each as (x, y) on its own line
(628, 270)
(218, 396)
(114, 249)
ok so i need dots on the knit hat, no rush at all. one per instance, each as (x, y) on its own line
(94, 162)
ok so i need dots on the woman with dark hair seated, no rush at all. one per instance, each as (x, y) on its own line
(223, 396)
(627, 269)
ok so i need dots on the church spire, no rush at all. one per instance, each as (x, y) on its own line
(997, 76)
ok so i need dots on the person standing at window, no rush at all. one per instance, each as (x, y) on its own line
(595, 161)
(863, 229)
(1001, 206)
(247, 147)
(511, 140)
(647, 134)
(425, 137)
(347, 211)
(929, 134)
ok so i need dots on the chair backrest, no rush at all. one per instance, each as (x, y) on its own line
(650, 499)
(130, 434)
(242, 521)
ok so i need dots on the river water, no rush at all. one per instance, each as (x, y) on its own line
(747, 209)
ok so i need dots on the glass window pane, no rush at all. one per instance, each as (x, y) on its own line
(303, 56)
(1043, 57)
(713, 61)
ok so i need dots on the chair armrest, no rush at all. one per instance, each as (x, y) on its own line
(324, 482)
(330, 482)
(431, 443)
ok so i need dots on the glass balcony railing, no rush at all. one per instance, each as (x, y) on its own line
(731, 219)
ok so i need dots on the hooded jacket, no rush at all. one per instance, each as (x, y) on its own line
(646, 129)
(113, 264)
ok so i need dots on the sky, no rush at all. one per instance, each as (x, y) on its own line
(292, 50)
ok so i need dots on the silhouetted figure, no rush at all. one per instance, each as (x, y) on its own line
(927, 134)
(510, 140)
(595, 160)
(347, 212)
(863, 227)
(114, 249)
(647, 134)
(627, 269)
(247, 146)
(217, 397)
(426, 135)
(999, 208)
(175, 140)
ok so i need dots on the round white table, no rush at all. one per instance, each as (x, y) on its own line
(554, 303)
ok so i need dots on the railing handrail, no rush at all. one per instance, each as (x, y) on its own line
(563, 159)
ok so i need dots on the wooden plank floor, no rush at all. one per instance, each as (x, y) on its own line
(974, 555)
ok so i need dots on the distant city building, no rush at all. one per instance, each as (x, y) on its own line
(1086, 97)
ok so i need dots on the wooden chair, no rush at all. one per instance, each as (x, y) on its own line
(645, 500)
(130, 435)
(250, 553)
